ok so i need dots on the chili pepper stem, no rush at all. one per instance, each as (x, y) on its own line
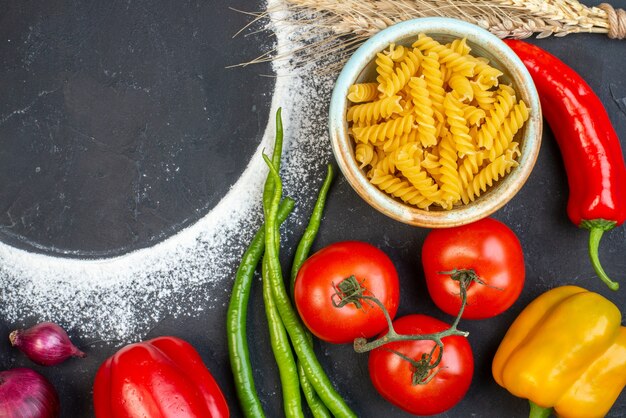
(537, 411)
(596, 228)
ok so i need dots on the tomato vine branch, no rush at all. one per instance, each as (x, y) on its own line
(350, 290)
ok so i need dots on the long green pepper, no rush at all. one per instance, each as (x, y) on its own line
(268, 189)
(287, 369)
(295, 328)
(236, 320)
(317, 407)
(288, 372)
(308, 237)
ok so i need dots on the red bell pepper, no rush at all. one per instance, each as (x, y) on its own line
(160, 378)
(589, 145)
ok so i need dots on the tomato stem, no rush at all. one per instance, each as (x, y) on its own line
(467, 276)
(422, 368)
(350, 290)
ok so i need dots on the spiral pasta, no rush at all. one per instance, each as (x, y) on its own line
(374, 111)
(470, 165)
(409, 164)
(458, 125)
(474, 116)
(459, 46)
(453, 60)
(364, 154)
(407, 107)
(501, 109)
(486, 75)
(384, 130)
(462, 87)
(386, 164)
(384, 68)
(424, 110)
(399, 188)
(434, 80)
(510, 126)
(450, 181)
(484, 99)
(438, 127)
(396, 52)
(392, 83)
(488, 175)
(363, 92)
(510, 90)
(396, 142)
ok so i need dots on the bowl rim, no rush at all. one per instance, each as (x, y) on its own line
(342, 143)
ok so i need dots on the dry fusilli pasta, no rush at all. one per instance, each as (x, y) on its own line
(424, 110)
(392, 83)
(454, 61)
(384, 130)
(438, 127)
(458, 125)
(374, 111)
(363, 92)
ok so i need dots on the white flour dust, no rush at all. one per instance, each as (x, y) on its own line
(122, 298)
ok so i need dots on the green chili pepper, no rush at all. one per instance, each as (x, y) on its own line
(294, 326)
(304, 247)
(268, 190)
(317, 407)
(288, 372)
(236, 319)
(237, 311)
(281, 347)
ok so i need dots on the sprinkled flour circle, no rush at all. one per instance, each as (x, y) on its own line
(121, 298)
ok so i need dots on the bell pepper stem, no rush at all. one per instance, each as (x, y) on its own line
(537, 411)
(596, 228)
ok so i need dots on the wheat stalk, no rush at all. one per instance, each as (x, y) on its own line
(323, 28)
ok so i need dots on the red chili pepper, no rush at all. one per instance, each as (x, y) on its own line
(589, 145)
(161, 378)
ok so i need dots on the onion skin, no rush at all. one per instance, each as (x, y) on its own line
(24, 393)
(46, 344)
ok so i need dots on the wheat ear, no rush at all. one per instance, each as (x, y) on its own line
(324, 28)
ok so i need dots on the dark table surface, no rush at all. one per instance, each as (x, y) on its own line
(99, 99)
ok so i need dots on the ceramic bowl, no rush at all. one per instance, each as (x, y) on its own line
(361, 67)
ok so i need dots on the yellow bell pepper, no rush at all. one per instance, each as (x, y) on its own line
(567, 351)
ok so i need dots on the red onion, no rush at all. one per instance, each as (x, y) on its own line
(46, 344)
(24, 393)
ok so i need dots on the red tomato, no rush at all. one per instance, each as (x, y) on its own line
(160, 378)
(491, 250)
(315, 291)
(392, 375)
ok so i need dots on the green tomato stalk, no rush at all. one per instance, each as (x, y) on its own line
(350, 290)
